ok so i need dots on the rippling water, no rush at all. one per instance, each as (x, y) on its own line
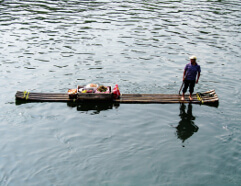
(50, 46)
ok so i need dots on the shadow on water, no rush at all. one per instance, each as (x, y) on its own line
(186, 126)
(96, 107)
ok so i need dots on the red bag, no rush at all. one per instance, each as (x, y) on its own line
(116, 92)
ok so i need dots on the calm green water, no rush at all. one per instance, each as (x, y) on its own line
(50, 46)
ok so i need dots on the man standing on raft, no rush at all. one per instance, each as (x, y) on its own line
(191, 71)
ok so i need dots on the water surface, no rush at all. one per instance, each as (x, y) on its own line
(143, 46)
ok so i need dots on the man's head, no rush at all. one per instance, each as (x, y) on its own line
(193, 59)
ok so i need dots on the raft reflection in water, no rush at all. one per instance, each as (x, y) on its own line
(96, 107)
(186, 126)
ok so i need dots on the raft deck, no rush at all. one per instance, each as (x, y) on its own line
(209, 97)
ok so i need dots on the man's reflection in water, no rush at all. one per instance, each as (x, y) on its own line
(186, 126)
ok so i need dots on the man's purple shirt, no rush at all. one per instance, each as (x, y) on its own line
(191, 71)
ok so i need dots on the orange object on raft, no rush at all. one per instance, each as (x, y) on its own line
(72, 91)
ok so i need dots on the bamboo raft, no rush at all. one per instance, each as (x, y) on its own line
(207, 98)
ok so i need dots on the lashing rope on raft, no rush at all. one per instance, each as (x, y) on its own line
(199, 98)
(25, 95)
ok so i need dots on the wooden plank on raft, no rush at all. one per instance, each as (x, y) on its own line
(209, 97)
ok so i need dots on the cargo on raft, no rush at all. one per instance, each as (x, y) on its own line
(92, 92)
(106, 94)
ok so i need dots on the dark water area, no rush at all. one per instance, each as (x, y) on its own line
(143, 46)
